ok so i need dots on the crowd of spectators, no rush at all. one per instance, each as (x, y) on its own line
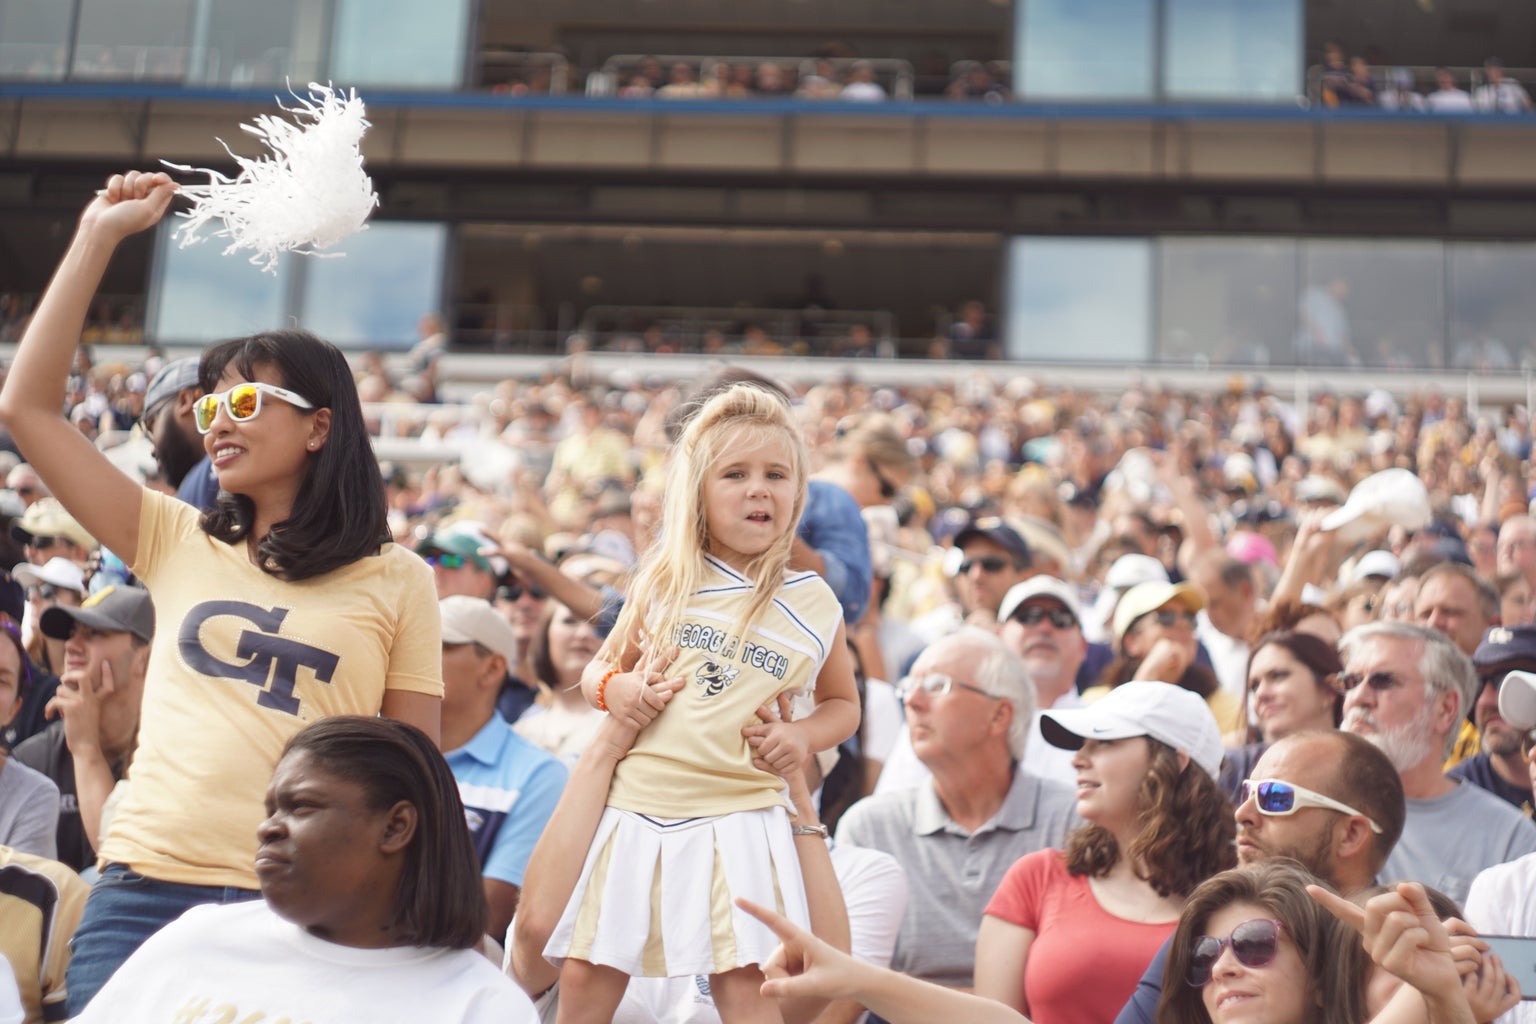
(1356, 82)
(1205, 545)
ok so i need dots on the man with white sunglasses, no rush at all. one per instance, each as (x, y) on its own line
(1328, 800)
(969, 708)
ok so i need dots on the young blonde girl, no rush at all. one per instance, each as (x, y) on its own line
(696, 814)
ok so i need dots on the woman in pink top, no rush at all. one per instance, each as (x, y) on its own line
(1157, 826)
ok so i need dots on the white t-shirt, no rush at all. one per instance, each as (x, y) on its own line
(1502, 901)
(241, 962)
(11, 1011)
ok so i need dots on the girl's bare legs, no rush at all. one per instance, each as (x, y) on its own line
(589, 993)
(738, 997)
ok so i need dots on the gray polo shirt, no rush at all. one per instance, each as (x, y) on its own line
(952, 873)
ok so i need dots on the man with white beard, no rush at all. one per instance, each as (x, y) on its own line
(1407, 689)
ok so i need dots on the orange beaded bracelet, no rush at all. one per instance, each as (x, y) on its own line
(603, 685)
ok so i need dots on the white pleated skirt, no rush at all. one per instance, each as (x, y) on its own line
(656, 896)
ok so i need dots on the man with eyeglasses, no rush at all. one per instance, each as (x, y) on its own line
(1500, 767)
(1407, 689)
(1328, 800)
(994, 558)
(509, 786)
(969, 706)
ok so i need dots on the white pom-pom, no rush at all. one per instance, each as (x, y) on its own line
(307, 195)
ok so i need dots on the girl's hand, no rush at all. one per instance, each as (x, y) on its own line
(778, 747)
(130, 203)
(636, 698)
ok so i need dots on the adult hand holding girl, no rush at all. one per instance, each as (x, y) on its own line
(778, 744)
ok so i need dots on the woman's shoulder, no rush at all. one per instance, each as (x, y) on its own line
(1046, 865)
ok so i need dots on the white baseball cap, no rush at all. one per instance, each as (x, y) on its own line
(1167, 713)
(1039, 586)
(1393, 497)
(471, 620)
(56, 572)
(1517, 700)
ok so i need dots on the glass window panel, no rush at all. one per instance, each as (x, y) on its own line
(34, 38)
(239, 43)
(1079, 299)
(133, 40)
(1493, 307)
(1083, 49)
(1226, 301)
(400, 42)
(374, 295)
(1372, 303)
(1233, 49)
(200, 295)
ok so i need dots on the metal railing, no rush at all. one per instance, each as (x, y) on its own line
(701, 328)
(524, 72)
(894, 75)
(1423, 80)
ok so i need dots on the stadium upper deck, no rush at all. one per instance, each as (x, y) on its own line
(1149, 184)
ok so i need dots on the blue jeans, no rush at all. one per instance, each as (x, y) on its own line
(125, 909)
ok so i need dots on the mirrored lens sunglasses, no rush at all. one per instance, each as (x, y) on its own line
(1278, 799)
(241, 402)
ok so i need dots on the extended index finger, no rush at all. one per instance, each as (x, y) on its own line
(786, 708)
(1339, 907)
(785, 929)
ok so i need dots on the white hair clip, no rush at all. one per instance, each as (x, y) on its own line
(307, 195)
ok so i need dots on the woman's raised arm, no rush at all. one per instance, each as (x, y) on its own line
(103, 499)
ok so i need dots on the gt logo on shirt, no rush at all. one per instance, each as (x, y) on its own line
(273, 661)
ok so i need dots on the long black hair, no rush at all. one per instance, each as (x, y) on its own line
(440, 901)
(340, 513)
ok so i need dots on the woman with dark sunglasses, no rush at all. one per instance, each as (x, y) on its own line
(1253, 946)
(1267, 944)
(284, 604)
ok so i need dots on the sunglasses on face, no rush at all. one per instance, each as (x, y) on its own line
(1278, 799)
(447, 561)
(887, 488)
(44, 543)
(44, 592)
(1170, 617)
(990, 563)
(935, 684)
(515, 591)
(1030, 615)
(1377, 681)
(1255, 943)
(242, 402)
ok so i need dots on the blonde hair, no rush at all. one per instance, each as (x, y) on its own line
(672, 570)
